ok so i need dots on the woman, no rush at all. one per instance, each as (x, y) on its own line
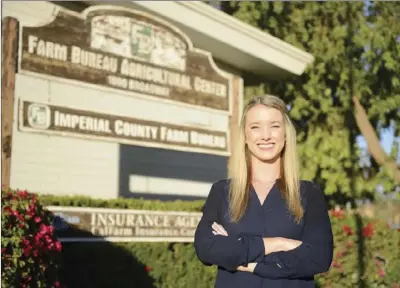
(263, 227)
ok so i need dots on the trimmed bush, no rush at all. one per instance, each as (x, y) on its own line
(29, 250)
(121, 203)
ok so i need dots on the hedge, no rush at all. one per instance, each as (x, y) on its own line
(176, 265)
(122, 203)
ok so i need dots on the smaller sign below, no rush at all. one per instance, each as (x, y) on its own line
(44, 118)
(85, 224)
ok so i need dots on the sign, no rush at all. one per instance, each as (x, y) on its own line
(38, 117)
(127, 50)
(122, 225)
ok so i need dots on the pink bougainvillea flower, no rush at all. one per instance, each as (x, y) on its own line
(27, 250)
(22, 194)
(58, 246)
(381, 273)
(368, 231)
(347, 230)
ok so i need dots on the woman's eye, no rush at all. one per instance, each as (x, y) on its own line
(276, 126)
(254, 127)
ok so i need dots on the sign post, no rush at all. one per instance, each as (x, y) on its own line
(9, 56)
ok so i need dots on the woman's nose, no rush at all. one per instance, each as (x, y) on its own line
(266, 133)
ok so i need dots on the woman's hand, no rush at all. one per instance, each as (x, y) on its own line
(278, 244)
(218, 229)
(290, 244)
(250, 268)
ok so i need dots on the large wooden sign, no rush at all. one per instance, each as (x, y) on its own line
(45, 118)
(126, 50)
(121, 225)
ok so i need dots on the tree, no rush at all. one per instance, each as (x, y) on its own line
(356, 50)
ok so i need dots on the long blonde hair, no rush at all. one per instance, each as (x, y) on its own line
(240, 165)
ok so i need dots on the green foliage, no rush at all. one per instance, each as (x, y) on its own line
(357, 52)
(29, 250)
(382, 35)
(176, 265)
(378, 246)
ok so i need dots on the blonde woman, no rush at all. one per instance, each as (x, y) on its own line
(263, 227)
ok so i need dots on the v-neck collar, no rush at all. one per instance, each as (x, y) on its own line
(272, 189)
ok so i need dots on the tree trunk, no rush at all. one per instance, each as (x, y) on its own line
(372, 140)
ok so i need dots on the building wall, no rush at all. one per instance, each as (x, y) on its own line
(67, 165)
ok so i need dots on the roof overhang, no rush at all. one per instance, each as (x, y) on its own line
(228, 39)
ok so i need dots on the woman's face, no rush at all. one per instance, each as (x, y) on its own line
(265, 132)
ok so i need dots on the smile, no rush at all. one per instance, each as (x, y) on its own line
(266, 146)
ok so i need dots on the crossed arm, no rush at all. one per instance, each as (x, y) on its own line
(271, 245)
(271, 258)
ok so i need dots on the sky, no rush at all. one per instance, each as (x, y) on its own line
(387, 139)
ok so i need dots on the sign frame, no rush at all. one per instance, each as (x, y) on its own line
(190, 48)
(60, 209)
(143, 143)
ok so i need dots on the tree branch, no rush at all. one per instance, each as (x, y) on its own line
(374, 147)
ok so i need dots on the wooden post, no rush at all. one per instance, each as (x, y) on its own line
(234, 118)
(9, 43)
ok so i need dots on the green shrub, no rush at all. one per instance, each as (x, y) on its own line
(121, 203)
(175, 265)
(366, 252)
(29, 250)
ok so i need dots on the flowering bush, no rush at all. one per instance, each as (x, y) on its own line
(366, 250)
(29, 250)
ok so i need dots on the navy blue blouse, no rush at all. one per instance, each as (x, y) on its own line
(244, 244)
